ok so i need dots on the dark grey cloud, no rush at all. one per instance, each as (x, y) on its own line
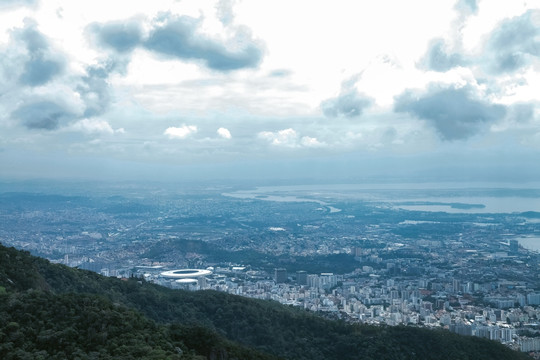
(94, 88)
(514, 43)
(521, 112)
(42, 114)
(39, 71)
(41, 64)
(455, 113)
(30, 61)
(438, 59)
(179, 37)
(48, 114)
(120, 36)
(440, 55)
(349, 104)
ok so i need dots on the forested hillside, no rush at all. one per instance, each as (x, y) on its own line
(52, 311)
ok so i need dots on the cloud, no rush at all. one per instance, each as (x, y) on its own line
(224, 133)
(40, 63)
(87, 96)
(95, 126)
(6, 4)
(521, 112)
(121, 36)
(455, 113)
(349, 103)
(42, 114)
(289, 138)
(469, 6)
(35, 93)
(308, 141)
(180, 37)
(280, 73)
(519, 119)
(444, 54)
(225, 12)
(180, 132)
(38, 71)
(94, 87)
(438, 58)
(514, 44)
(286, 137)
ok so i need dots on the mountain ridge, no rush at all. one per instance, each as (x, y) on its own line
(204, 324)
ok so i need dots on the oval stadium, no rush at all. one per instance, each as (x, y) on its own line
(185, 273)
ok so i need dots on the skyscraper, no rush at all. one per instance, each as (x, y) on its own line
(514, 246)
(301, 277)
(280, 275)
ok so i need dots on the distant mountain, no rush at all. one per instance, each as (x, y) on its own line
(50, 311)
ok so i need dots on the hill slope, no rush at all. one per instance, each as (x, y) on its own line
(204, 323)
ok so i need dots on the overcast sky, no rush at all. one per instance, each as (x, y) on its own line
(164, 89)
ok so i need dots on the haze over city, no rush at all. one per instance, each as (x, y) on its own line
(341, 91)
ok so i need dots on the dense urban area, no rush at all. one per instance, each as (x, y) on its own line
(382, 256)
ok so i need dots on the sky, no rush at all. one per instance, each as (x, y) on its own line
(338, 91)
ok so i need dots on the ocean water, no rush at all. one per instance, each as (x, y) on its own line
(440, 197)
(530, 242)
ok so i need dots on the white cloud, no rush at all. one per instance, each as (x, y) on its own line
(290, 138)
(308, 141)
(224, 133)
(180, 132)
(285, 137)
(95, 126)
